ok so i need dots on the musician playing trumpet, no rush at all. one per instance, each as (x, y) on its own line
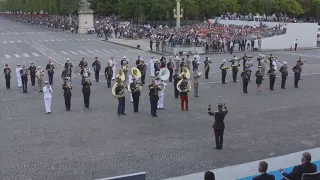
(135, 94)
(223, 68)
(40, 78)
(154, 97)
(66, 86)
(7, 75)
(86, 90)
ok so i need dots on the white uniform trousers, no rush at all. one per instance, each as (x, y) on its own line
(47, 103)
(19, 81)
(152, 72)
(160, 101)
(131, 97)
(114, 73)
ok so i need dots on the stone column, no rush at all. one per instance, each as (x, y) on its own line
(85, 20)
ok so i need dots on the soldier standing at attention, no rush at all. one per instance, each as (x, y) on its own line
(218, 125)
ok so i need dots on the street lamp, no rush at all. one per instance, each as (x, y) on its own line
(177, 13)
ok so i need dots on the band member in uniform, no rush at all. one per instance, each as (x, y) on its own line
(272, 76)
(218, 125)
(184, 94)
(108, 74)
(143, 69)
(7, 75)
(152, 69)
(224, 68)
(163, 62)
(124, 60)
(154, 97)
(195, 63)
(188, 62)
(297, 72)
(85, 71)
(176, 79)
(68, 66)
(196, 76)
(32, 70)
(259, 58)
(138, 61)
(135, 95)
(176, 60)
(40, 78)
(182, 65)
(50, 69)
(235, 68)
(131, 81)
(18, 74)
(245, 79)
(96, 65)
(284, 74)
(113, 64)
(66, 86)
(301, 64)
(207, 64)
(24, 78)
(86, 90)
(259, 78)
(47, 94)
(161, 94)
(121, 100)
(244, 61)
(170, 66)
(83, 63)
(156, 67)
(64, 73)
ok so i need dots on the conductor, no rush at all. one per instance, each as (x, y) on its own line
(218, 125)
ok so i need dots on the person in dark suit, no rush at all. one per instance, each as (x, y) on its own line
(208, 175)
(218, 125)
(305, 167)
(263, 167)
(135, 95)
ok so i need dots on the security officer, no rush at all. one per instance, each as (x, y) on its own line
(67, 93)
(297, 72)
(96, 67)
(218, 125)
(272, 77)
(284, 74)
(32, 69)
(7, 75)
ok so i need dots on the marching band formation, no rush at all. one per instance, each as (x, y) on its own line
(176, 70)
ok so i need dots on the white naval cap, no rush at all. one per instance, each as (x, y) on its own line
(124, 57)
(235, 58)
(260, 55)
(67, 59)
(285, 62)
(224, 60)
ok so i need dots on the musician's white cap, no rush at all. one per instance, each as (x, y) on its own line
(260, 54)
(124, 57)
(224, 60)
(46, 82)
(39, 67)
(68, 59)
(235, 58)
(194, 56)
(18, 64)
(285, 62)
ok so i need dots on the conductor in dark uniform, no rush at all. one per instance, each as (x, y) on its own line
(218, 125)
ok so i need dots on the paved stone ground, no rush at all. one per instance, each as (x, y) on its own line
(95, 143)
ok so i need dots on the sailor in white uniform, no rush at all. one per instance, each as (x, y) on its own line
(47, 91)
(161, 95)
(198, 58)
(113, 65)
(151, 64)
(18, 69)
(131, 81)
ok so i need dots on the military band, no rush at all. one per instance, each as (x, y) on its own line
(18, 75)
(184, 89)
(297, 73)
(66, 87)
(284, 74)
(245, 80)
(207, 64)
(135, 91)
(96, 65)
(40, 78)
(50, 70)
(272, 77)
(160, 103)
(154, 97)
(86, 90)
(259, 78)
(68, 67)
(7, 75)
(170, 66)
(119, 92)
(176, 79)
(235, 68)
(196, 77)
(108, 72)
(32, 70)
(223, 68)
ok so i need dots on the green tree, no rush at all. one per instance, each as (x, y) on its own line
(68, 7)
(291, 7)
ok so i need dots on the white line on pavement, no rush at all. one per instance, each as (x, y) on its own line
(52, 40)
(7, 56)
(11, 42)
(46, 40)
(131, 50)
(64, 53)
(35, 54)
(5, 42)
(97, 51)
(89, 51)
(19, 41)
(26, 55)
(123, 50)
(105, 50)
(114, 50)
(81, 52)
(73, 52)
(39, 40)
(58, 40)
(16, 55)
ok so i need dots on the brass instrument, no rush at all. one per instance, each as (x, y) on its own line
(138, 86)
(186, 74)
(51, 67)
(123, 91)
(225, 66)
(163, 75)
(136, 72)
(24, 72)
(207, 66)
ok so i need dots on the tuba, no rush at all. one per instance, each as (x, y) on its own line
(164, 75)
(186, 74)
(137, 74)
(121, 75)
(123, 91)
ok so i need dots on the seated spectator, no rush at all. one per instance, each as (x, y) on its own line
(305, 167)
(263, 167)
(209, 175)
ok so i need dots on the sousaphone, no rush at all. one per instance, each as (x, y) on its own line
(185, 73)
(137, 74)
(164, 75)
(120, 77)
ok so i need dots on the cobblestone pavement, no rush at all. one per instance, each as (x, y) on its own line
(96, 143)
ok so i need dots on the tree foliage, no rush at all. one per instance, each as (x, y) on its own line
(163, 9)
